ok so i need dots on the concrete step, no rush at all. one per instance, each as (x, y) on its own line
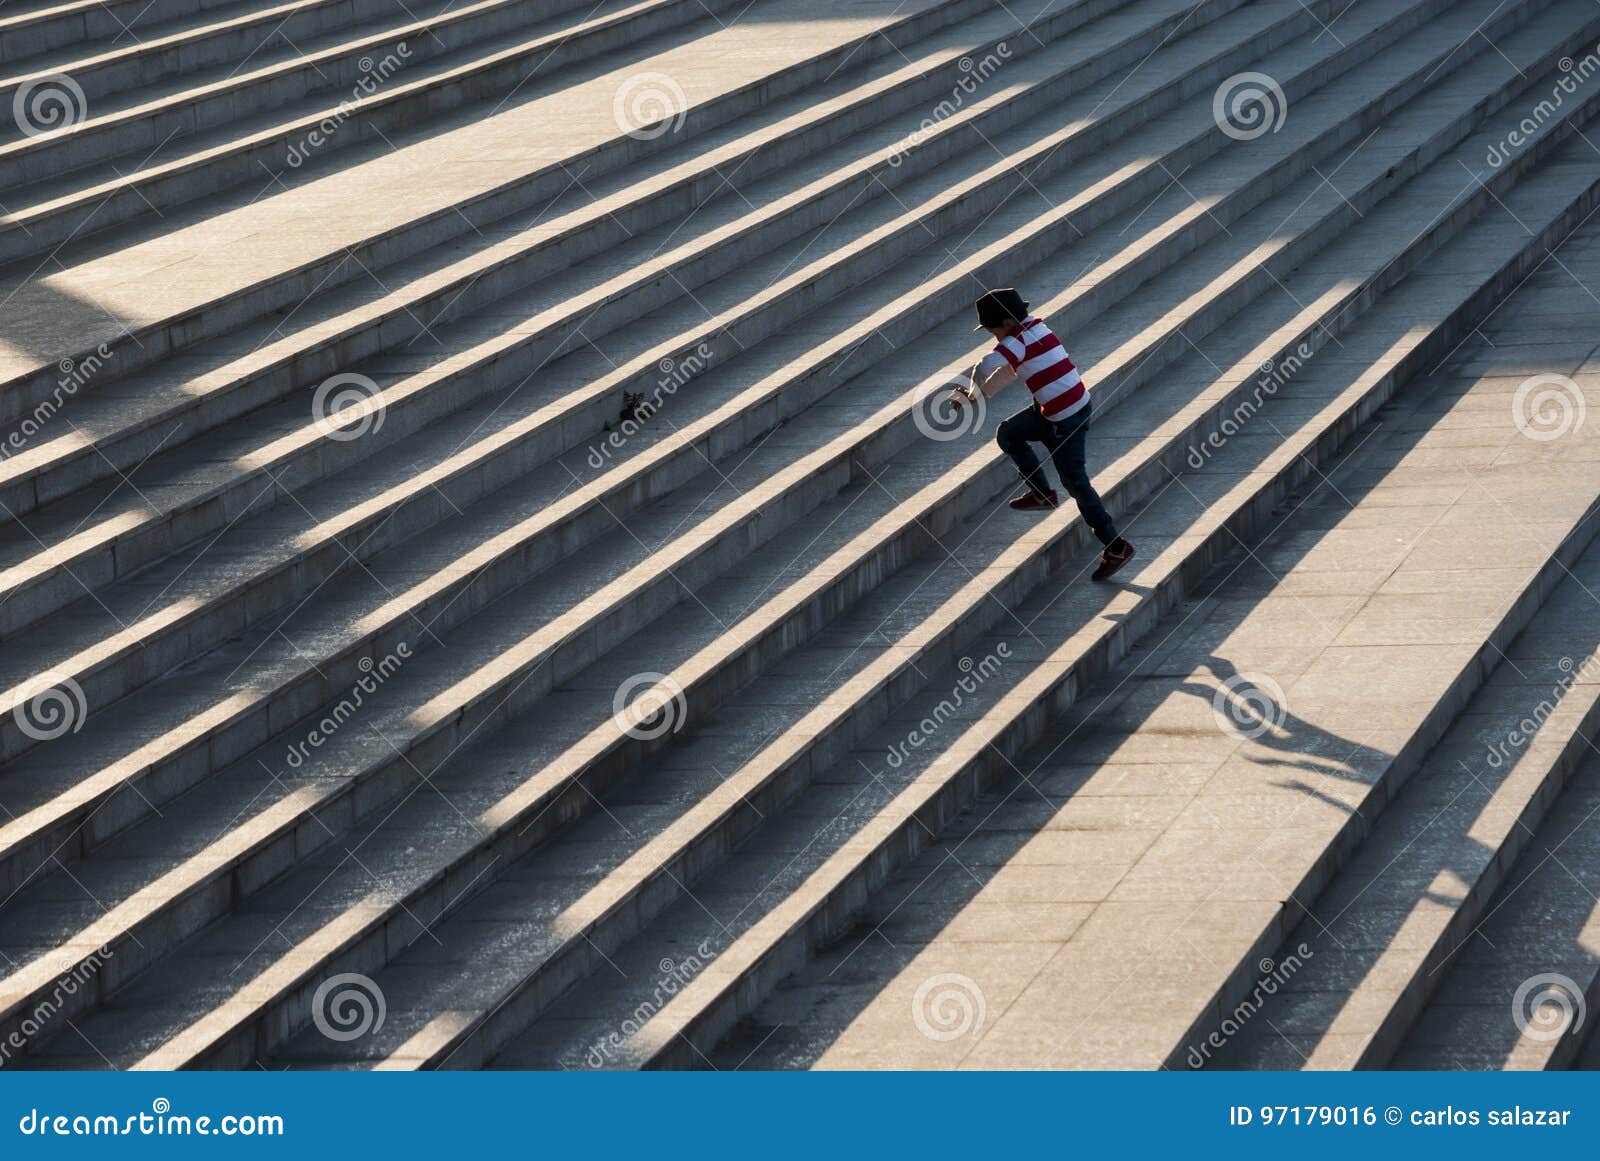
(217, 44)
(1378, 941)
(144, 903)
(626, 217)
(107, 650)
(392, 73)
(1449, 860)
(131, 296)
(613, 493)
(583, 919)
(30, 29)
(1527, 1003)
(754, 937)
(1042, 976)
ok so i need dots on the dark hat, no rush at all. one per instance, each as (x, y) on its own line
(998, 307)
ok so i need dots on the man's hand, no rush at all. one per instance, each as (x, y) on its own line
(960, 396)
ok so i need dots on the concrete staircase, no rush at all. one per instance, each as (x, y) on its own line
(366, 646)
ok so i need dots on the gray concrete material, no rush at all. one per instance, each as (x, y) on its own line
(1539, 923)
(309, 84)
(826, 1043)
(467, 287)
(208, 276)
(770, 699)
(722, 987)
(30, 30)
(1425, 876)
(412, 1048)
(611, 506)
(509, 779)
(202, 40)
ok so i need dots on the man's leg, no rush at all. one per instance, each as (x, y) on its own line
(1014, 436)
(1069, 449)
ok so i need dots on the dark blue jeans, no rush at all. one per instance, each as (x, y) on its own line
(1067, 442)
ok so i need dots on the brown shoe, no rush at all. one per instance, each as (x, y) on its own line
(1031, 501)
(1116, 554)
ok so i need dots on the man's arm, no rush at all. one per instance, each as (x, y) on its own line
(992, 373)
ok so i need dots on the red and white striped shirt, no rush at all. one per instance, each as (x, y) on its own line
(1037, 357)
